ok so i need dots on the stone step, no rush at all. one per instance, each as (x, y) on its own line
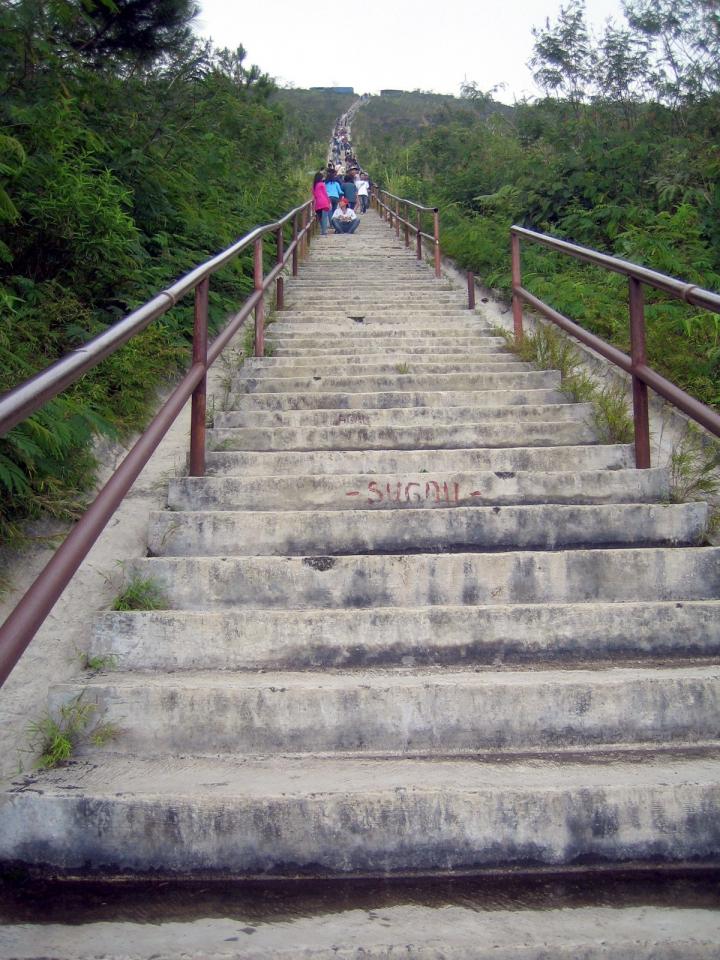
(383, 300)
(425, 712)
(300, 358)
(405, 399)
(437, 491)
(526, 635)
(351, 353)
(436, 463)
(337, 329)
(421, 580)
(396, 339)
(424, 931)
(463, 529)
(311, 367)
(483, 433)
(408, 416)
(399, 382)
(231, 816)
(408, 318)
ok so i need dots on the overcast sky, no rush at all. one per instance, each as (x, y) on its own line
(386, 43)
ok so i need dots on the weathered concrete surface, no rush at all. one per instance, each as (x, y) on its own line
(520, 412)
(388, 933)
(340, 714)
(441, 437)
(420, 712)
(329, 533)
(432, 462)
(396, 399)
(579, 576)
(373, 492)
(335, 816)
(479, 637)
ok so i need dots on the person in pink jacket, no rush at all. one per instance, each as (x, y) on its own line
(322, 203)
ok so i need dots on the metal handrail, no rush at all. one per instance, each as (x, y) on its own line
(635, 364)
(24, 621)
(391, 213)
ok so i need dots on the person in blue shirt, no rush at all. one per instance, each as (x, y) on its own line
(334, 189)
(350, 190)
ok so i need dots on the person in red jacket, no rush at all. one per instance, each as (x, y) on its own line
(322, 204)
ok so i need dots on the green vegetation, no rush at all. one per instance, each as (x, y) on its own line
(620, 155)
(140, 593)
(130, 153)
(95, 662)
(694, 466)
(551, 350)
(57, 737)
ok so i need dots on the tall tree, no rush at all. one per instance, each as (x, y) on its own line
(562, 54)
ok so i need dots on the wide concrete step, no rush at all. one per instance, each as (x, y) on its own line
(385, 301)
(396, 337)
(424, 712)
(408, 416)
(464, 382)
(461, 931)
(526, 635)
(483, 433)
(349, 353)
(407, 317)
(309, 367)
(406, 399)
(289, 817)
(393, 492)
(437, 463)
(334, 533)
(354, 360)
(326, 333)
(421, 580)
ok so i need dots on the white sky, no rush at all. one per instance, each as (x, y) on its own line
(376, 43)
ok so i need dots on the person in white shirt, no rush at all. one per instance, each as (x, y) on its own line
(363, 191)
(344, 219)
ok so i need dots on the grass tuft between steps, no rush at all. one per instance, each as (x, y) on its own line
(140, 593)
(56, 737)
(549, 350)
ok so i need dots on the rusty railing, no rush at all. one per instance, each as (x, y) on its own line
(635, 364)
(22, 624)
(389, 207)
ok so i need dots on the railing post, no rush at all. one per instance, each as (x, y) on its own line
(260, 306)
(516, 284)
(199, 396)
(471, 290)
(280, 282)
(407, 226)
(436, 233)
(397, 219)
(638, 358)
(418, 224)
(295, 248)
(309, 224)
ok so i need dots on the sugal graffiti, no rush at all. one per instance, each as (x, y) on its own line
(400, 491)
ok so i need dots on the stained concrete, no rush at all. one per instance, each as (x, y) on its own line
(380, 692)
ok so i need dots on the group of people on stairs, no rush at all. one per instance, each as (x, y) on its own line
(340, 189)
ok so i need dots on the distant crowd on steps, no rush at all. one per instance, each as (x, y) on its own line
(342, 191)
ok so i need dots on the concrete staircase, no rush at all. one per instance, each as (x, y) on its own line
(418, 621)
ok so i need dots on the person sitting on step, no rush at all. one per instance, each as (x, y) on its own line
(344, 220)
